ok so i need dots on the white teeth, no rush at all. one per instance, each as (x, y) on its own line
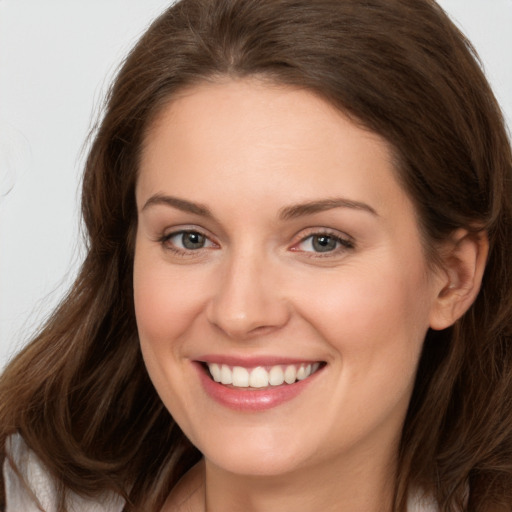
(240, 377)
(260, 377)
(290, 374)
(215, 371)
(226, 377)
(304, 372)
(276, 376)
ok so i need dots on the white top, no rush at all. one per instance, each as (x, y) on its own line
(37, 477)
(18, 499)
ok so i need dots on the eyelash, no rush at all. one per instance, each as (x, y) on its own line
(342, 244)
(167, 245)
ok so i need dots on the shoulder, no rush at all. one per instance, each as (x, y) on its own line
(30, 487)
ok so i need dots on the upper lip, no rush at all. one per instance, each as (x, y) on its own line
(254, 361)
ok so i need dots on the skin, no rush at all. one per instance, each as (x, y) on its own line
(246, 150)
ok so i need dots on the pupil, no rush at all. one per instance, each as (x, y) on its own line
(324, 243)
(193, 240)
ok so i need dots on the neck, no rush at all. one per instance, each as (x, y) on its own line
(336, 487)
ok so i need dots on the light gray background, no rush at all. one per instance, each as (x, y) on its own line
(56, 60)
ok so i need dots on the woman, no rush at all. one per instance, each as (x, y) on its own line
(297, 290)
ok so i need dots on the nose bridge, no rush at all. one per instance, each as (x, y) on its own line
(247, 299)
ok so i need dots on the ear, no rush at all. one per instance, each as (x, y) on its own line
(458, 281)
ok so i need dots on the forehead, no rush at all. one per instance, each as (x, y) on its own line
(251, 137)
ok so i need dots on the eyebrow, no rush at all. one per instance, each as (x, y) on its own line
(312, 207)
(180, 204)
(287, 213)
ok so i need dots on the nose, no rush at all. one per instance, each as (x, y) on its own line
(248, 300)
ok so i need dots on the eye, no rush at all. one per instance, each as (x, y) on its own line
(323, 243)
(186, 241)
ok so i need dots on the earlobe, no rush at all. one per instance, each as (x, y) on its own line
(463, 263)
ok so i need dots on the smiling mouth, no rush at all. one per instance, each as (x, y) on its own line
(260, 376)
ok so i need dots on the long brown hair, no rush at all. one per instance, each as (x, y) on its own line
(79, 393)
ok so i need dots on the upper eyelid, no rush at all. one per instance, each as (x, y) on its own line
(303, 234)
(176, 230)
(172, 234)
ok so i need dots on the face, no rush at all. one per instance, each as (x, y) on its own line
(281, 290)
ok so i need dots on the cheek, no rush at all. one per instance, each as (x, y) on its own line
(166, 306)
(166, 302)
(371, 310)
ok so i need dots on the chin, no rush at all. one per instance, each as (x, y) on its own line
(263, 455)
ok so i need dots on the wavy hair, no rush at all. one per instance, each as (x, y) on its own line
(79, 393)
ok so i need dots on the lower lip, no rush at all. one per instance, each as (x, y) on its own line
(245, 399)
